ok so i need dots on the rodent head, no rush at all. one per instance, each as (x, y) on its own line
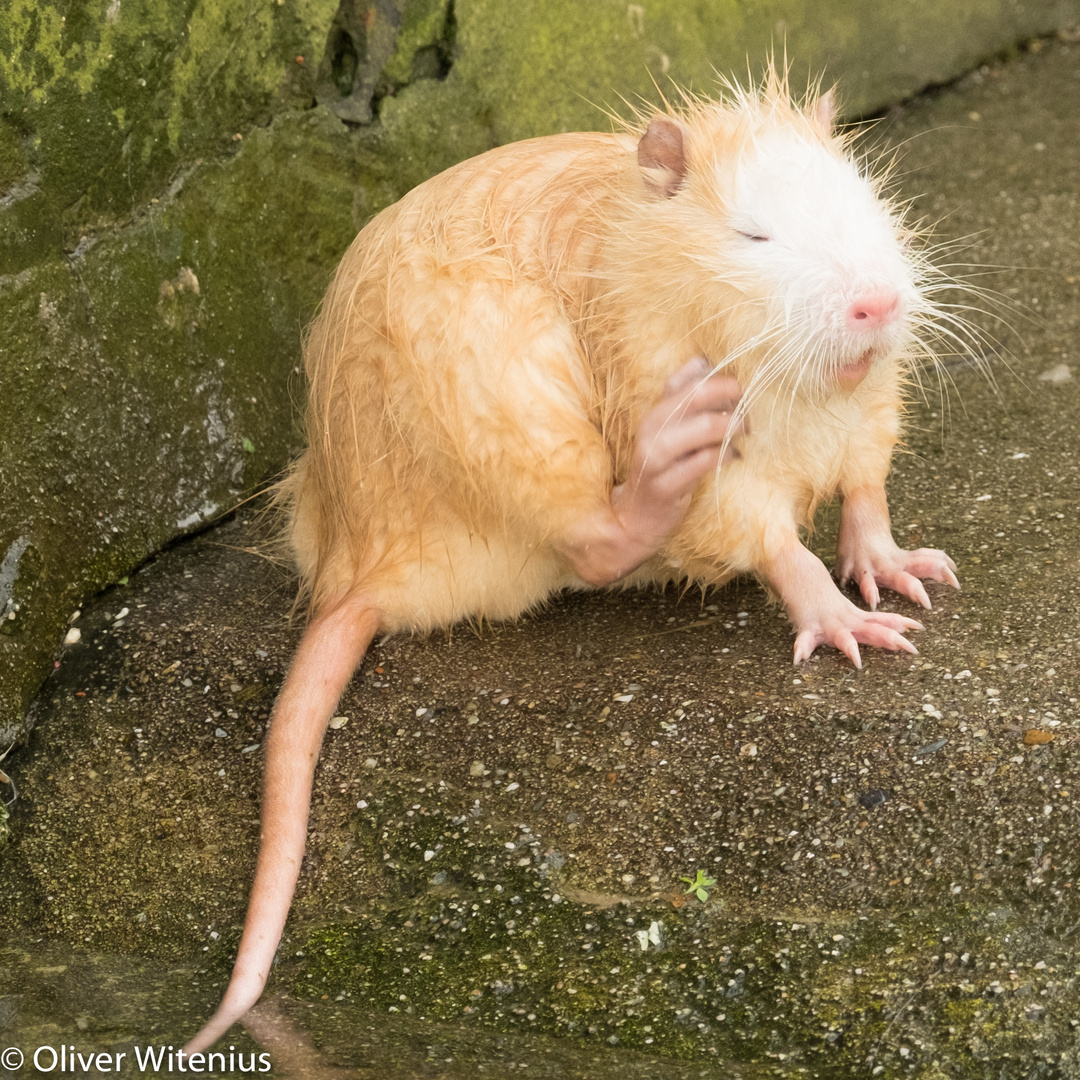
(801, 270)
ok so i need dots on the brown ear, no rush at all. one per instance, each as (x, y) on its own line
(824, 111)
(661, 156)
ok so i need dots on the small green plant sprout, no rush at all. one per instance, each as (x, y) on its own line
(700, 885)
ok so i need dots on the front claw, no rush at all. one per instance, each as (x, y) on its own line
(932, 565)
(847, 627)
(890, 567)
(808, 640)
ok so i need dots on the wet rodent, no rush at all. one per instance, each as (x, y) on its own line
(590, 358)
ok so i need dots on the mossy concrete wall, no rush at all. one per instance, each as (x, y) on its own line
(177, 181)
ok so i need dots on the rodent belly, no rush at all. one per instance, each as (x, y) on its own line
(463, 577)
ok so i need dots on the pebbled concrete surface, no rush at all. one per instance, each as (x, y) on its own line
(893, 850)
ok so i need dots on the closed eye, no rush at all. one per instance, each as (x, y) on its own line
(752, 236)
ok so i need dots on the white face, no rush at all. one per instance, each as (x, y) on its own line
(810, 229)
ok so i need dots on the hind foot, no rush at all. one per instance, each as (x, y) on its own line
(845, 627)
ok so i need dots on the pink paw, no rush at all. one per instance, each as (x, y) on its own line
(678, 441)
(890, 567)
(845, 627)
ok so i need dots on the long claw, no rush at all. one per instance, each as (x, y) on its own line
(917, 591)
(805, 644)
(823, 615)
(868, 588)
(849, 628)
(900, 623)
(908, 646)
(877, 566)
(688, 375)
(846, 643)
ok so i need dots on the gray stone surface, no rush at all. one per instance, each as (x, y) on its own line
(171, 207)
(895, 855)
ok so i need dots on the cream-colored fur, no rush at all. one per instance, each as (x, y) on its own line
(485, 353)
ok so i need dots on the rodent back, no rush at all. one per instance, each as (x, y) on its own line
(420, 389)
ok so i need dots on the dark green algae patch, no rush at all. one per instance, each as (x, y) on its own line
(143, 378)
(171, 208)
(953, 988)
(103, 101)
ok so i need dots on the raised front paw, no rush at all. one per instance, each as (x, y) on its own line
(844, 626)
(887, 566)
(678, 441)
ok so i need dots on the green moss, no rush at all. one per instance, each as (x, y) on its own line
(426, 128)
(31, 38)
(476, 926)
(114, 96)
(152, 379)
(552, 66)
(423, 29)
(14, 163)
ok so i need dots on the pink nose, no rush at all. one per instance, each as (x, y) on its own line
(873, 310)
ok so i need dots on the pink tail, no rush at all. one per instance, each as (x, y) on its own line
(332, 647)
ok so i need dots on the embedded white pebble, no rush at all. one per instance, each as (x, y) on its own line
(1062, 373)
(73, 636)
